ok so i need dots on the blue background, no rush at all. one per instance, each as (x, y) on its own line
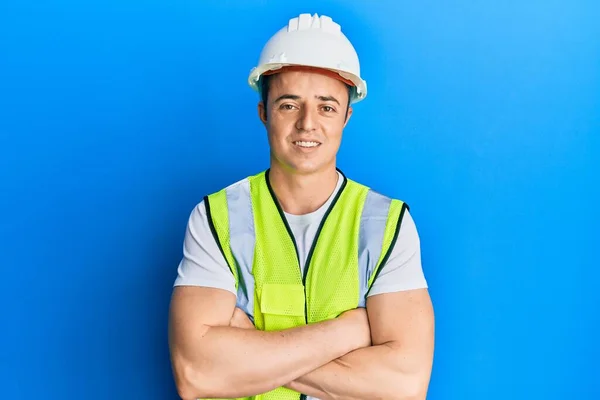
(117, 117)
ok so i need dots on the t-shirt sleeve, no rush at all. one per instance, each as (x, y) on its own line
(202, 263)
(403, 269)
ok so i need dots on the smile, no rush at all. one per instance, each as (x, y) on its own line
(306, 144)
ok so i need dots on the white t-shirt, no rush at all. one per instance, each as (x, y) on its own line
(203, 263)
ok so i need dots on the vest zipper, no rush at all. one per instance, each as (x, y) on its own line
(317, 234)
(314, 243)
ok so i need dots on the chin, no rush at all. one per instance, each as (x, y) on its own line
(305, 165)
(308, 168)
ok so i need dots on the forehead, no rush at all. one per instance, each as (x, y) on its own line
(305, 83)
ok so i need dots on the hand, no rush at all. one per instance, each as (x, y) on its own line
(358, 322)
(240, 320)
(357, 333)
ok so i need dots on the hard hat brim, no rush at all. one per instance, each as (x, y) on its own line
(360, 91)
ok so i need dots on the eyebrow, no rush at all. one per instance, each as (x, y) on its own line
(287, 97)
(296, 97)
(328, 98)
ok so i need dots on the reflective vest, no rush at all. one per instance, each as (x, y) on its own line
(354, 239)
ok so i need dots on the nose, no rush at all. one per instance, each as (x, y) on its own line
(307, 120)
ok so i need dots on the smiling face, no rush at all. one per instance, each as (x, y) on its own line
(305, 115)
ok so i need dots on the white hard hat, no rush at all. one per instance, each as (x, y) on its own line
(311, 41)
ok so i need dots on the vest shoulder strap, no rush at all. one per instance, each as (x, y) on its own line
(218, 220)
(396, 211)
(380, 221)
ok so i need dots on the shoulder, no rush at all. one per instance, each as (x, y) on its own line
(237, 188)
(198, 224)
(403, 269)
(231, 186)
(408, 234)
(219, 204)
(376, 192)
(378, 204)
(199, 218)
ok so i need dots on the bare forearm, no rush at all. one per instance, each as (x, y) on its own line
(377, 372)
(230, 362)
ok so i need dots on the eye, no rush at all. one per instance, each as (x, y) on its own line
(287, 106)
(328, 109)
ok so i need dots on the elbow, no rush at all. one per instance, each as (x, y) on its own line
(192, 383)
(188, 391)
(409, 388)
(412, 395)
(406, 394)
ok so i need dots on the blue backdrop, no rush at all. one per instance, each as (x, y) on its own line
(117, 117)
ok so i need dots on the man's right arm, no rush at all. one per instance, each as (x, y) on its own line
(213, 360)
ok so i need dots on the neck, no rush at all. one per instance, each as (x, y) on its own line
(302, 194)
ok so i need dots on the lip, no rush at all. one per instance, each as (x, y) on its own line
(306, 149)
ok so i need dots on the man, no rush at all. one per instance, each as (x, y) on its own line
(298, 282)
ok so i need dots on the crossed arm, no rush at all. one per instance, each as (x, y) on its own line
(397, 365)
(327, 360)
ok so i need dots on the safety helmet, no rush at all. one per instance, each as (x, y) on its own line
(313, 42)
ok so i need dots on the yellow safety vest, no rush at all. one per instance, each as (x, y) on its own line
(354, 240)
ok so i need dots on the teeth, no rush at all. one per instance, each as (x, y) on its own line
(306, 144)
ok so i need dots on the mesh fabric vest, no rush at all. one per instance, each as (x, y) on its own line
(354, 239)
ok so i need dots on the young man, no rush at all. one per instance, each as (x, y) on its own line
(298, 282)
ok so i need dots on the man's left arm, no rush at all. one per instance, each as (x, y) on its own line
(397, 366)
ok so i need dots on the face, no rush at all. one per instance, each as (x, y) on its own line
(305, 115)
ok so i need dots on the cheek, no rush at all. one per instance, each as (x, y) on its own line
(334, 133)
(280, 128)
(277, 134)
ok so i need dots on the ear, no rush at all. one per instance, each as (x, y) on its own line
(348, 115)
(262, 112)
